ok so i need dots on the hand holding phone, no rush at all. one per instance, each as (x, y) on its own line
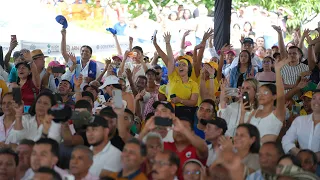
(13, 37)
(16, 93)
(160, 121)
(245, 99)
(117, 98)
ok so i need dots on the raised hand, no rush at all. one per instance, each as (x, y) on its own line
(73, 58)
(126, 54)
(315, 40)
(13, 44)
(303, 83)
(306, 33)
(129, 73)
(186, 33)
(209, 69)
(225, 143)
(178, 126)
(77, 82)
(279, 64)
(207, 34)
(277, 28)
(167, 37)
(130, 39)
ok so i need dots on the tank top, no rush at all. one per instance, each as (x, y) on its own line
(269, 125)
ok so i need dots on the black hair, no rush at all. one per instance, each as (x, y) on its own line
(314, 156)
(277, 146)
(27, 142)
(129, 112)
(53, 173)
(157, 67)
(117, 86)
(83, 104)
(143, 147)
(271, 58)
(191, 15)
(253, 132)
(70, 85)
(143, 77)
(273, 89)
(86, 46)
(88, 94)
(32, 110)
(173, 157)
(9, 151)
(275, 55)
(183, 118)
(138, 48)
(247, 22)
(249, 60)
(94, 87)
(189, 67)
(108, 112)
(209, 101)
(53, 143)
(294, 159)
(300, 51)
(236, 25)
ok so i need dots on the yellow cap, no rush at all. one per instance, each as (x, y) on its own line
(307, 94)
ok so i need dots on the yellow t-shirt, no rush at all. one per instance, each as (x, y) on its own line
(4, 88)
(182, 90)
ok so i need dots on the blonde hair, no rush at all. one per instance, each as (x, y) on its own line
(255, 84)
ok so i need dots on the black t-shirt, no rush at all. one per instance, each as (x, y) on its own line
(117, 141)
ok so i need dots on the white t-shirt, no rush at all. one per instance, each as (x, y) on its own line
(109, 159)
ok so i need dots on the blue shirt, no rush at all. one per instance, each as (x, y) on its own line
(255, 176)
(13, 76)
(235, 74)
(120, 29)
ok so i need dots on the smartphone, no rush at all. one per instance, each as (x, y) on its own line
(16, 92)
(296, 110)
(160, 121)
(58, 70)
(154, 34)
(245, 98)
(173, 96)
(117, 98)
(78, 70)
(13, 37)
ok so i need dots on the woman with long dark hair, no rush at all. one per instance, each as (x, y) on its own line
(36, 123)
(242, 71)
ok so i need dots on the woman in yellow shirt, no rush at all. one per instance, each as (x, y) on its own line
(182, 90)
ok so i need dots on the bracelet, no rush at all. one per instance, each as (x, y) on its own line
(44, 135)
(211, 76)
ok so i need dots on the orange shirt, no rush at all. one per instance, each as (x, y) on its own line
(138, 175)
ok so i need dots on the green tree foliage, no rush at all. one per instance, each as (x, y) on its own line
(303, 11)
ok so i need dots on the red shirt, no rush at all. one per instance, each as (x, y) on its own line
(189, 152)
(29, 92)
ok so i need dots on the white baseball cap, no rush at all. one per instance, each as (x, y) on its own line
(110, 80)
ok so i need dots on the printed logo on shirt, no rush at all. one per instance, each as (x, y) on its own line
(188, 154)
(90, 72)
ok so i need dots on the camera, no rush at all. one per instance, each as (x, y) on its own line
(60, 112)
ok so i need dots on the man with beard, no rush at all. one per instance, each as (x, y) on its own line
(45, 153)
(133, 155)
(24, 151)
(106, 156)
(64, 90)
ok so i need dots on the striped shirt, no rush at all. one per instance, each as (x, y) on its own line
(290, 74)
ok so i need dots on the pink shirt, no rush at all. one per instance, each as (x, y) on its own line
(4, 132)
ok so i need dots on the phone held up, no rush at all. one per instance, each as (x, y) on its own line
(160, 121)
(245, 98)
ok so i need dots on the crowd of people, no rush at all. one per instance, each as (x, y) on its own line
(205, 114)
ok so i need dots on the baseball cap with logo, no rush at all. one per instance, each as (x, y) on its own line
(62, 20)
(97, 121)
(109, 81)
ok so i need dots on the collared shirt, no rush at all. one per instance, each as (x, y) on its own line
(29, 173)
(212, 156)
(138, 175)
(4, 133)
(109, 159)
(303, 130)
(290, 74)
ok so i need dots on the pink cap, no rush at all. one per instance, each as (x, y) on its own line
(187, 43)
(55, 64)
(117, 56)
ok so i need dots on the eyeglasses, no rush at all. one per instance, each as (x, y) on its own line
(191, 172)
(160, 163)
(263, 93)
